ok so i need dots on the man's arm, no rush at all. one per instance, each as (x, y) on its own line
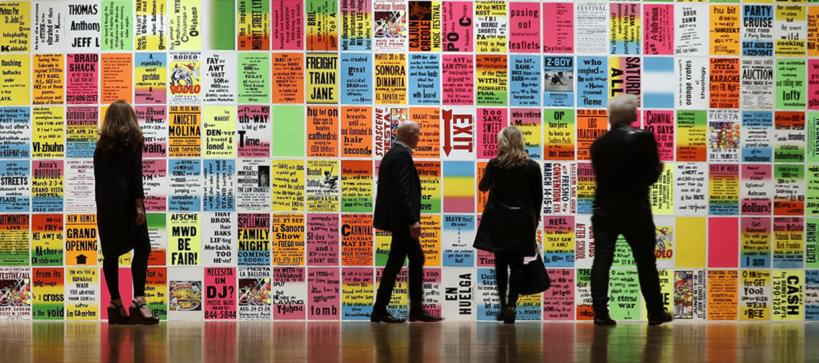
(403, 178)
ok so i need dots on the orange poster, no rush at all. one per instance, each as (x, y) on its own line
(813, 31)
(288, 77)
(117, 77)
(49, 79)
(482, 196)
(428, 119)
(322, 131)
(356, 131)
(591, 124)
(725, 29)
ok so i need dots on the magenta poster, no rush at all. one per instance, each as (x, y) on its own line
(490, 122)
(81, 79)
(458, 80)
(289, 290)
(254, 131)
(287, 18)
(658, 38)
(154, 179)
(323, 293)
(661, 124)
(153, 122)
(558, 28)
(322, 239)
(757, 185)
(432, 291)
(524, 30)
(813, 84)
(220, 293)
(125, 289)
(457, 26)
(558, 301)
(723, 242)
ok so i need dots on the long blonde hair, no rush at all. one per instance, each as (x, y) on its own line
(511, 149)
(120, 129)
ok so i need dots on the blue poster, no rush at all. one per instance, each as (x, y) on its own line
(15, 132)
(592, 82)
(658, 90)
(219, 185)
(185, 185)
(524, 79)
(558, 81)
(356, 79)
(424, 79)
(757, 127)
(15, 193)
(459, 234)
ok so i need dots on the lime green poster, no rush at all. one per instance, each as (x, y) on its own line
(624, 289)
(222, 24)
(790, 84)
(288, 131)
(117, 25)
(254, 78)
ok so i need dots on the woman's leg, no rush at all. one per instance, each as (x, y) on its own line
(110, 268)
(501, 276)
(139, 270)
(515, 277)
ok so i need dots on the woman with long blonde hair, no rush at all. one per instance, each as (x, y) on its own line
(121, 211)
(511, 215)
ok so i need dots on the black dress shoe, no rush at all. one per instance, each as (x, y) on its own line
(658, 319)
(604, 320)
(424, 317)
(384, 317)
(509, 314)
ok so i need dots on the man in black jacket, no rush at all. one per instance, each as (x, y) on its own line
(626, 164)
(398, 210)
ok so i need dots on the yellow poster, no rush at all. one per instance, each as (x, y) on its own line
(15, 27)
(754, 300)
(690, 242)
(288, 185)
(790, 23)
(219, 124)
(14, 89)
(661, 194)
(787, 295)
(81, 290)
(184, 239)
(391, 79)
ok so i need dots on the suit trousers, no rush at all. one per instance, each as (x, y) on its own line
(637, 226)
(401, 247)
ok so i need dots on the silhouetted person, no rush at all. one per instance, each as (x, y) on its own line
(398, 210)
(626, 164)
(511, 215)
(121, 211)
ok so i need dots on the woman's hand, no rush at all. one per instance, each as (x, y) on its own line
(140, 209)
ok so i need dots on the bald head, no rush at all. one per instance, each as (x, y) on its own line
(408, 133)
(623, 109)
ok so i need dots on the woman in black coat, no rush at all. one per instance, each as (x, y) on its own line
(120, 209)
(511, 215)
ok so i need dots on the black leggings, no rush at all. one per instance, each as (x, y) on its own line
(514, 262)
(139, 268)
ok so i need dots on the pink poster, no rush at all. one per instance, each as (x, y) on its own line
(287, 18)
(490, 122)
(82, 79)
(322, 240)
(756, 195)
(153, 122)
(661, 124)
(154, 176)
(125, 291)
(658, 38)
(558, 28)
(524, 32)
(323, 293)
(288, 290)
(558, 301)
(813, 84)
(432, 291)
(220, 293)
(457, 25)
(458, 80)
(723, 242)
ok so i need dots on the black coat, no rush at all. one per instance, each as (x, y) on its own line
(512, 212)
(626, 164)
(398, 195)
(118, 184)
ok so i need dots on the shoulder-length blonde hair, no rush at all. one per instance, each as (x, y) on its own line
(511, 149)
(120, 129)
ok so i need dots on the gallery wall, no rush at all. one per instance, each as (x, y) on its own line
(265, 121)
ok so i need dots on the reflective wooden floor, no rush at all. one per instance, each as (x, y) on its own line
(183, 342)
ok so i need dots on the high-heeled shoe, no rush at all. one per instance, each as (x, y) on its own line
(136, 315)
(116, 314)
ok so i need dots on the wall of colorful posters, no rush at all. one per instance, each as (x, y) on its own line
(265, 123)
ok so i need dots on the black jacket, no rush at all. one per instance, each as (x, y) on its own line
(118, 184)
(398, 195)
(512, 211)
(626, 164)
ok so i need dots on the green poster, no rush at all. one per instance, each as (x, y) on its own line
(790, 84)
(624, 292)
(813, 136)
(222, 24)
(622, 254)
(117, 25)
(812, 192)
(288, 131)
(254, 78)
(811, 243)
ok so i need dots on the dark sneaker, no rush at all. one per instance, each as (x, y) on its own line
(384, 317)
(664, 317)
(604, 319)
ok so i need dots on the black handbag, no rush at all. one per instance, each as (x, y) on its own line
(535, 277)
